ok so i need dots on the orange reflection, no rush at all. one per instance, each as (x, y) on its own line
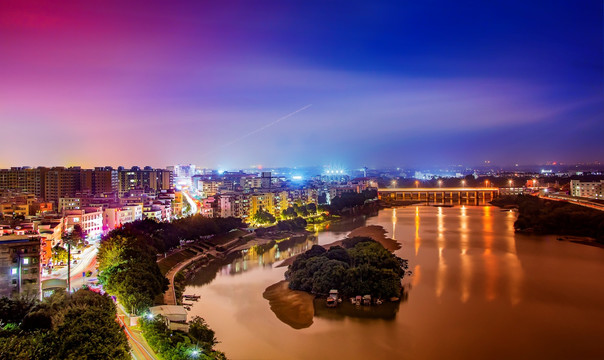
(393, 224)
(416, 275)
(441, 274)
(417, 238)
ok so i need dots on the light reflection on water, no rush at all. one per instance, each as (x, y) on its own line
(477, 290)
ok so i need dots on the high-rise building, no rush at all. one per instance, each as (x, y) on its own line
(146, 179)
(62, 182)
(19, 265)
(104, 180)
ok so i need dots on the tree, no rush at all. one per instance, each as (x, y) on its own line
(200, 331)
(263, 217)
(59, 254)
(75, 238)
(311, 208)
(80, 326)
(289, 213)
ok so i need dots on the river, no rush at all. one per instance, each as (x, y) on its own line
(478, 291)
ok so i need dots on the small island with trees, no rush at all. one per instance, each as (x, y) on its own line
(361, 266)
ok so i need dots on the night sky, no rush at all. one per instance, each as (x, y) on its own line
(402, 83)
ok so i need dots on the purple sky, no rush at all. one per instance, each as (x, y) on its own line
(157, 83)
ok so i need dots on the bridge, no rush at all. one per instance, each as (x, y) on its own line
(438, 194)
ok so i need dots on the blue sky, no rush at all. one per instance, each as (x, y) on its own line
(390, 83)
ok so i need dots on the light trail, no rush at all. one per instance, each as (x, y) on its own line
(260, 129)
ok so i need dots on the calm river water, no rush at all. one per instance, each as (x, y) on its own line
(478, 291)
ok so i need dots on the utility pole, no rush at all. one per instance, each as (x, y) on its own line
(68, 268)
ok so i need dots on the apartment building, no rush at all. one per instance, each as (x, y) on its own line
(19, 265)
(588, 189)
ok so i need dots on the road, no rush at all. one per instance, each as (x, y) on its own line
(192, 202)
(139, 348)
(86, 262)
(577, 201)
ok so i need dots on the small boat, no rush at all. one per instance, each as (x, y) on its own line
(331, 302)
(357, 300)
(188, 308)
(187, 304)
(332, 299)
(191, 297)
(367, 300)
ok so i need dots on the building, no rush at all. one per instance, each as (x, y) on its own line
(511, 191)
(19, 265)
(115, 217)
(70, 203)
(147, 179)
(592, 189)
(89, 218)
(104, 180)
(62, 182)
(24, 179)
(265, 201)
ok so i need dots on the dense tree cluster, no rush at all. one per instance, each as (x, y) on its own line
(297, 224)
(263, 217)
(178, 345)
(299, 210)
(364, 267)
(555, 217)
(127, 256)
(351, 199)
(292, 225)
(80, 326)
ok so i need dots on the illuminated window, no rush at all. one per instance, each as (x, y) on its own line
(26, 261)
(13, 271)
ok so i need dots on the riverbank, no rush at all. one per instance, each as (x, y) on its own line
(581, 240)
(547, 217)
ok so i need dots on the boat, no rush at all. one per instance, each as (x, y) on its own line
(187, 304)
(191, 297)
(367, 300)
(357, 300)
(188, 308)
(333, 298)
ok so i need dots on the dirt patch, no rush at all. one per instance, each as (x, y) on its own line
(293, 307)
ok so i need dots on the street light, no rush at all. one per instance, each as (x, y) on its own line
(486, 183)
(417, 183)
(440, 182)
(510, 182)
(463, 183)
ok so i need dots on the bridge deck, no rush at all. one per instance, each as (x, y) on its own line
(415, 190)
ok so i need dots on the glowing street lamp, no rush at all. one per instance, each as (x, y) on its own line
(417, 183)
(510, 182)
(486, 183)
(463, 183)
(440, 182)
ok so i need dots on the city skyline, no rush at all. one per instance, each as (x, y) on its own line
(389, 85)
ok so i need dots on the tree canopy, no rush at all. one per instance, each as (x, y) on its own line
(127, 255)
(555, 217)
(80, 326)
(263, 217)
(364, 268)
